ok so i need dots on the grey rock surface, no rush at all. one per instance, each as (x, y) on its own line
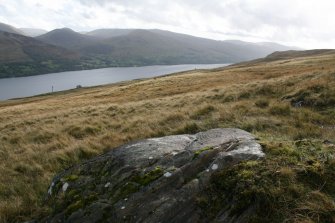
(153, 180)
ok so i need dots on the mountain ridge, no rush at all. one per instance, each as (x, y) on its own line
(126, 48)
(66, 38)
(135, 47)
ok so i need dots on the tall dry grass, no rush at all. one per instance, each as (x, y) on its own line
(42, 135)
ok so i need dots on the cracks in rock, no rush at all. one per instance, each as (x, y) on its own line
(164, 197)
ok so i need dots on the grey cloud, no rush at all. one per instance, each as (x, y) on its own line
(108, 2)
(86, 15)
(94, 2)
(2, 10)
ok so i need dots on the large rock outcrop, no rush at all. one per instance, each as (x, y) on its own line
(153, 180)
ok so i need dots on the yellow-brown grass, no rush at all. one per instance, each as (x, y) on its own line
(40, 136)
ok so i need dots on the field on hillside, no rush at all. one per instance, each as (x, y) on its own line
(288, 104)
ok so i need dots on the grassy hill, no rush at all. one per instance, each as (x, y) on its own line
(287, 103)
(23, 56)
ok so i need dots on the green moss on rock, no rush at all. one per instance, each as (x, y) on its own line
(148, 177)
(70, 178)
(290, 184)
(74, 207)
(125, 191)
(198, 152)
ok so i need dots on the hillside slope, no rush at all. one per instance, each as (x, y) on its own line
(10, 29)
(118, 47)
(287, 104)
(287, 56)
(22, 56)
(292, 54)
(122, 47)
(136, 47)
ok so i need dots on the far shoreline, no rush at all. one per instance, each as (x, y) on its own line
(83, 86)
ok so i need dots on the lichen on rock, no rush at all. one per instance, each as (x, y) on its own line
(153, 180)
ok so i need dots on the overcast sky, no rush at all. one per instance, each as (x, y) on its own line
(303, 23)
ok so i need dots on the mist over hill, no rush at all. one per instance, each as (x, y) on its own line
(10, 29)
(33, 32)
(108, 33)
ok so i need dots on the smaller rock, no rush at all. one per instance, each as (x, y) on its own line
(50, 188)
(327, 142)
(123, 207)
(167, 174)
(65, 186)
(215, 166)
(150, 158)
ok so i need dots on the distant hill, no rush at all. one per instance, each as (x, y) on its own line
(33, 32)
(296, 54)
(67, 38)
(64, 49)
(288, 55)
(10, 29)
(22, 56)
(108, 33)
(136, 47)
